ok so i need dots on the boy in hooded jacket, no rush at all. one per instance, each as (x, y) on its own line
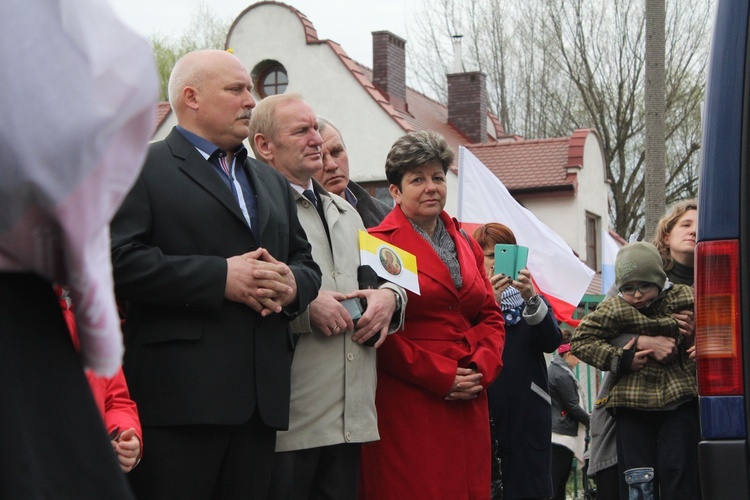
(655, 404)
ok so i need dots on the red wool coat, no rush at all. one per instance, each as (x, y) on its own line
(430, 447)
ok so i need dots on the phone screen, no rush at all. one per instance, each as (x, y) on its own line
(354, 307)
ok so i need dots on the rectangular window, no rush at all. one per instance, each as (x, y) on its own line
(379, 190)
(592, 241)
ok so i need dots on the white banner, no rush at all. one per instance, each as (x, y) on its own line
(482, 198)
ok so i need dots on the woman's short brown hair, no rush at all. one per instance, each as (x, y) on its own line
(416, 149)
(493, 233)
(665, 226)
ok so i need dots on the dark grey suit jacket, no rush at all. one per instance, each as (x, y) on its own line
(191, 356)
(371, 209)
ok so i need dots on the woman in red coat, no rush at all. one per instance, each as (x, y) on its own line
(431, 402)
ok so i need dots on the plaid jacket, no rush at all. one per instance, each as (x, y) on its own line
(656, 385)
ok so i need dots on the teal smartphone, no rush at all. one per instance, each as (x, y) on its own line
(510, 259)
(521, 257)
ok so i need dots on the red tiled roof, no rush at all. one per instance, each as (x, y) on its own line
(423, 113)
(532, 165)
(526, 164)
(522, 165)
(162, 111)
(499, 130)
(364, 77)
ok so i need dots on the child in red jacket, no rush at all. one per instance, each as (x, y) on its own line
(112, 397)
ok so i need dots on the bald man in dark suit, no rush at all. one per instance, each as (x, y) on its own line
(211, 258)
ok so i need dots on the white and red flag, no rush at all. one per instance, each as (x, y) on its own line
(558, 274)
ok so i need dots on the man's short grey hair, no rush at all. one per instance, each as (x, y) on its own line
(262, 120)
(416, 149)
(324, 123)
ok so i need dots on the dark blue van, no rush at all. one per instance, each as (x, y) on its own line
(722, 272)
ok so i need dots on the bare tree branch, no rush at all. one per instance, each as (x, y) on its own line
(556, 65)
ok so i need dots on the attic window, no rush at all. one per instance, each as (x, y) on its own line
(272, 80)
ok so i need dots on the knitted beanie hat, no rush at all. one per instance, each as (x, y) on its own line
(639, 261)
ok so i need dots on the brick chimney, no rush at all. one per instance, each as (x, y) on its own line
(389, 67)
(467, 104)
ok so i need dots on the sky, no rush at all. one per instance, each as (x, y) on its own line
(348, 22)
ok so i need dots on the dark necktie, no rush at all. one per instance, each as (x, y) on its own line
(307, 193)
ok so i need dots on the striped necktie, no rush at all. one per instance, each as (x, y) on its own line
(235, 185)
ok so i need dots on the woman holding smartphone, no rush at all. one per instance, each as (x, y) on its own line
(519, 398)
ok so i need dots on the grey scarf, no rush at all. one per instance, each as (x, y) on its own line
(445, 248)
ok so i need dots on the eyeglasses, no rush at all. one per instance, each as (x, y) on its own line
(643, 287)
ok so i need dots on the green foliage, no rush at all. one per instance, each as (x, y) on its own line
(205, 31)
(165, 55)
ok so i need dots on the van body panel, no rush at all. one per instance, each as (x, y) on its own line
(729, 481)
(723, 199)
(722, 124)
(723, 417)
